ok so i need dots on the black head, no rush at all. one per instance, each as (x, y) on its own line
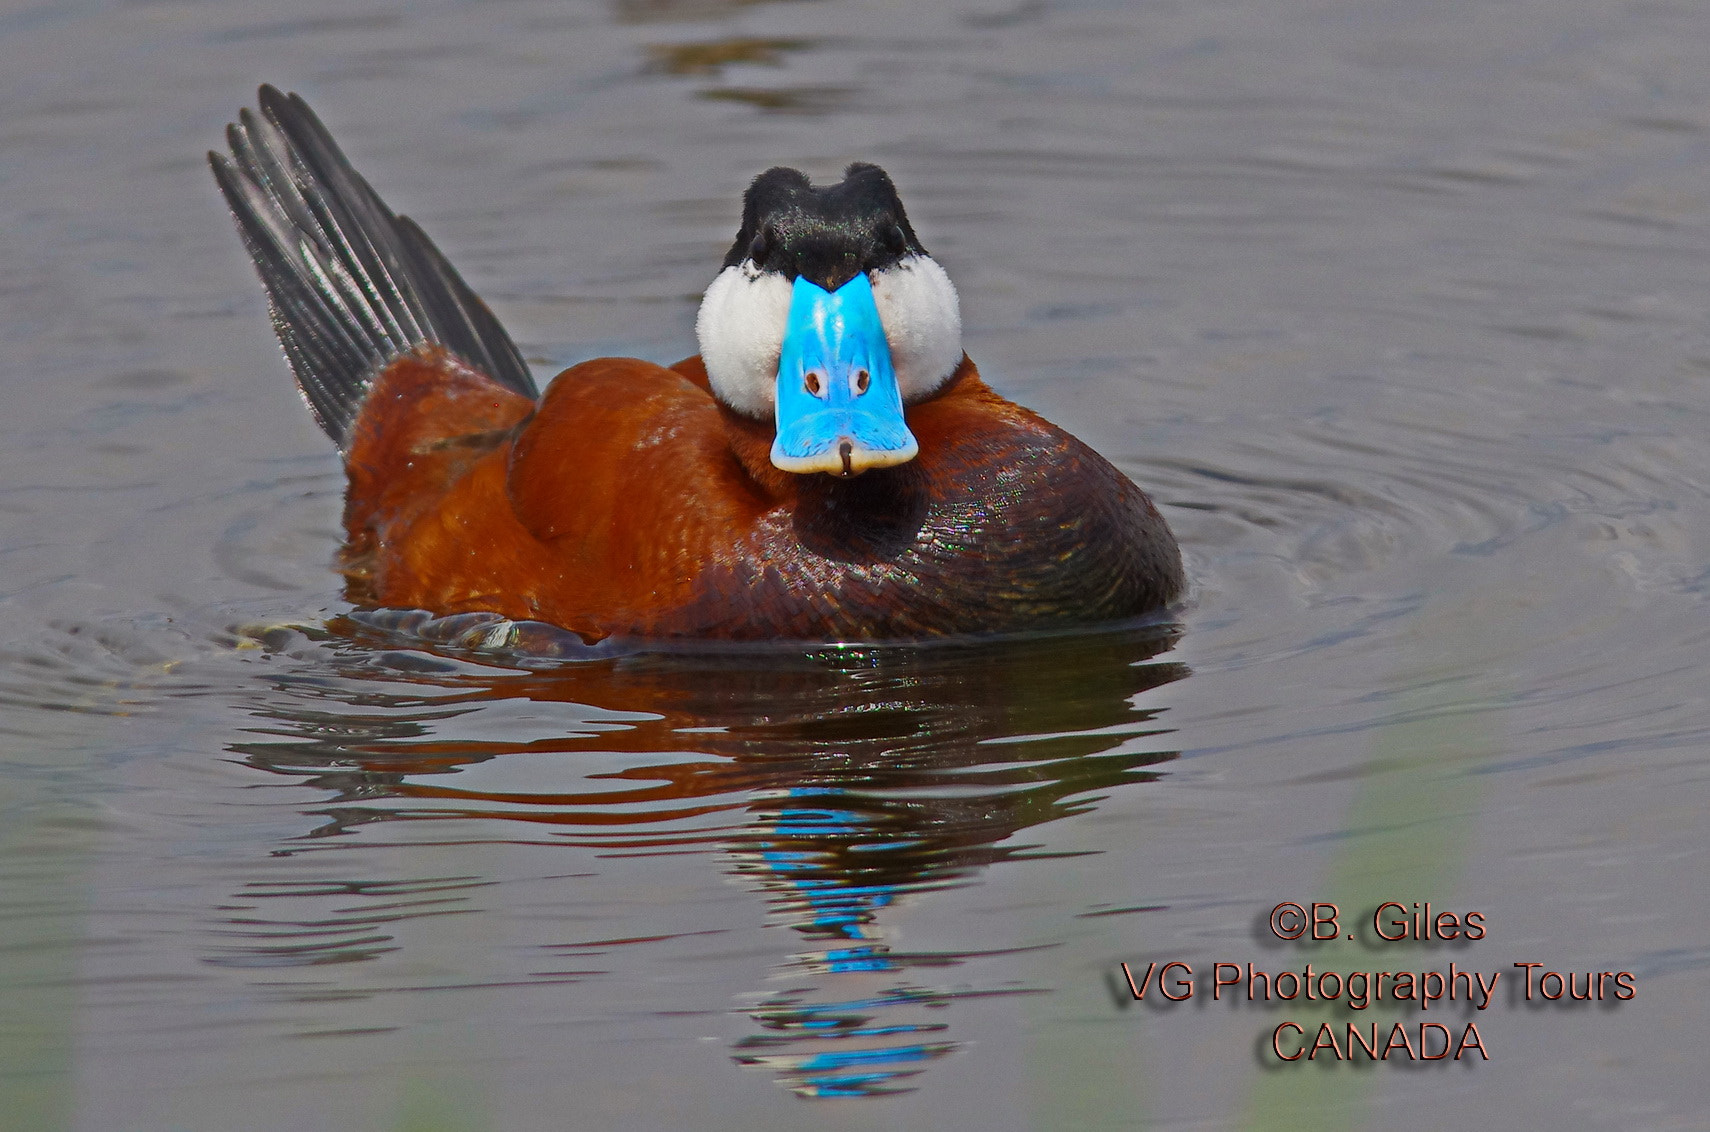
(826, 234)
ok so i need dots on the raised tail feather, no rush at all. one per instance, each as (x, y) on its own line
(352, 287)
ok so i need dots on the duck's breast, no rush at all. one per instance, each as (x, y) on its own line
(1003, 522)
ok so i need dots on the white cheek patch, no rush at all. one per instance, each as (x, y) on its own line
(743, 315)
(923, 323)
(741, 330)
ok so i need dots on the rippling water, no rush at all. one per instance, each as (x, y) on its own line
(1400, 312)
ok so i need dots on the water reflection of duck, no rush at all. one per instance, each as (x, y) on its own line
(829, 466)
(997, 734)
(833, 784)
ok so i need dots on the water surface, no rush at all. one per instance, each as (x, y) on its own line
(1398, 310)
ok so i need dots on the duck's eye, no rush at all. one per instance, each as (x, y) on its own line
(862, 380)
(810, 382)
(758, 248)
(894, 240)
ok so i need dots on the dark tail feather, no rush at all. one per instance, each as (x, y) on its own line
(352, 286)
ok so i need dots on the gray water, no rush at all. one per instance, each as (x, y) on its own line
(1400, 310)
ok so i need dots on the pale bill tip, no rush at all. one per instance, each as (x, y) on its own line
(846, 458)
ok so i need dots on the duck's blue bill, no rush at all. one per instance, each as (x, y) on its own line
(839, 409)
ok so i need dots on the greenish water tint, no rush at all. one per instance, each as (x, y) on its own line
(1407, 837)
(1398, 311)
(454, 1103)
(45, 853)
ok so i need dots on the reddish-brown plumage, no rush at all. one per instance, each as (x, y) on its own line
(629, 501)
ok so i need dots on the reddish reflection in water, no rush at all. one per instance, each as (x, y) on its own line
(834, 781)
